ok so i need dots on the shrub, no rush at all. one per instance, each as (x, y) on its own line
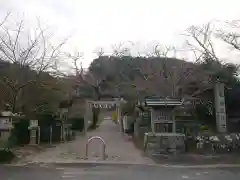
(20, 133)
(204, 128)
(77, 123)
(6, 156)
(46, 121)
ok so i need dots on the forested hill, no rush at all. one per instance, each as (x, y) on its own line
(25, 90)
(141, 76)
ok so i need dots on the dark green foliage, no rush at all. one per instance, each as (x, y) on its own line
(6, 156)
(203, 115)
(94, 124)
(20, 133)
(128, 108)
(232, 98)
(46, 122)
(128, 76)
(27, 92)
(77, 123)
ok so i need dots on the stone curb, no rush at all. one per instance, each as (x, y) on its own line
(99, 163)
(124, 164)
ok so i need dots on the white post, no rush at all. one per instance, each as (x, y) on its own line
(174, 122)
(86, 117)
(39, 134)
(119, 119)
(61, 129)
(219, 102)
(51, 135)
(152, 123)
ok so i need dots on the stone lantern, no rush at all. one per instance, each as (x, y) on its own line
(34, 132)
(6, 125)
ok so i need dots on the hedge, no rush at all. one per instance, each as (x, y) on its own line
(6, 156)
(20, 134)
(77, 123)
(45, 123)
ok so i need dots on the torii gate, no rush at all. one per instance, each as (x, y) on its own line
(103, 104)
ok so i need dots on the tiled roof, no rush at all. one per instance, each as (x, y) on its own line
(163, 101)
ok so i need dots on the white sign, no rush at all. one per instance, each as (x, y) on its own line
(160, 121)
(105, 106)
(5, 123)
(220, 107)
(33, 123)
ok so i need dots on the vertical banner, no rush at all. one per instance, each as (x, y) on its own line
(114, 116)
(219, 102)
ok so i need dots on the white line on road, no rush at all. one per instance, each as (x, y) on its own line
(69, 173)
(89, 172)
(185, 177)
(67, 176)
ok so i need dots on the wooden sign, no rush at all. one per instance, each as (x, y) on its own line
(33, 123)
(104, 106)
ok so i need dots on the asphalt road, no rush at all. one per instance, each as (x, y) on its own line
(117, 173)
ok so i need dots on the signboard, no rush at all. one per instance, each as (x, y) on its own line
(146, 115)
(105, 106)
(162, 121)
(114, 116)
(33, 123)
(5, 123)
(162, 117)
(220, 107)
(146, 118)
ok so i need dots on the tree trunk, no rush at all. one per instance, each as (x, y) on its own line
(14, 102)
(96, 112)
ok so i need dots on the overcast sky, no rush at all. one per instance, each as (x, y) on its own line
(100, 23)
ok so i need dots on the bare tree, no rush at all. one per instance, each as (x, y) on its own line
(232, 35)
(27, 53)
(87, 83)
(162, 72)
(200, 41)
(121, 49)
(99, 51)
(4, 19)
(160, 50)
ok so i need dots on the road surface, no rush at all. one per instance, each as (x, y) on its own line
(118, 148)
(133, 172)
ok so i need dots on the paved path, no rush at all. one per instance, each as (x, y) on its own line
(119, 148)
(117, 173)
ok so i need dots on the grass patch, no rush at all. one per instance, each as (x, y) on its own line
(93, 127)
(138, 142)
(6, 156)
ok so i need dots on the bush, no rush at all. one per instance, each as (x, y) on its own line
(204, 128)
(77, 123)
(45, 122)
(20, 134)
(6, 156)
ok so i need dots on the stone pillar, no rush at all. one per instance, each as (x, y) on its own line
(152, 124)
(174, 122)
(51, 133)
(5, 135)
(86, 117)
(119, 118)
(136, 128)
(219, 102)
(33, 137)
(62, 140)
